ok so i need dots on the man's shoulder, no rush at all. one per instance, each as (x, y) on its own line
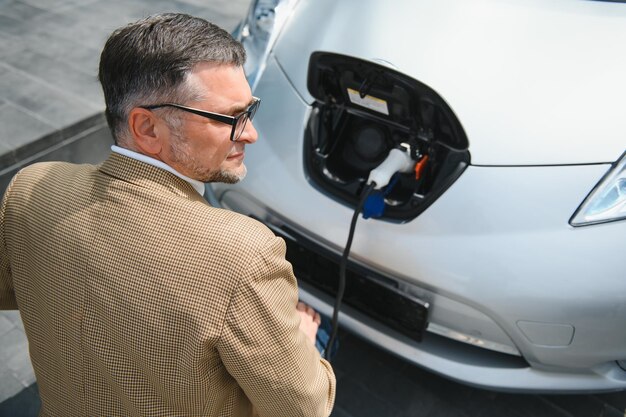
(235, 228)
(227, 241)
(51, 176)
(57, 168)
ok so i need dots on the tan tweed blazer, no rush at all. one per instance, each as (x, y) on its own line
(140, 299)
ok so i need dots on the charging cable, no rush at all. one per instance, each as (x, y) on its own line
(342, 270)
(398, 160)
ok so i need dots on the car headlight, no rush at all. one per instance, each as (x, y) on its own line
(607, 201)
(259, 31)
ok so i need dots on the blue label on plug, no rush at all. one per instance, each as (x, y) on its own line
(374, 205)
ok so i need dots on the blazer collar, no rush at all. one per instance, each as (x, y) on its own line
(147, 176)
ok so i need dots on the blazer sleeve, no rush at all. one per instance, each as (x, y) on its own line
(7, 294)
(262, 347)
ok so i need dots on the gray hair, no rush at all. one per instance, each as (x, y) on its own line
(149, 61)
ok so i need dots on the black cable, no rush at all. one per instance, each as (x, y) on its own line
(342, 269)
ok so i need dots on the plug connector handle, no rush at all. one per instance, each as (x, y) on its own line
(398, 160)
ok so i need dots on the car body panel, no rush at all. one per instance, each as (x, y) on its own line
(516, 73)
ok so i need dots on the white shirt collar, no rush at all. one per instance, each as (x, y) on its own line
(197, 185)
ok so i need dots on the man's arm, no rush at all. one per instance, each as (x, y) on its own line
(7, 295)
(263, 348)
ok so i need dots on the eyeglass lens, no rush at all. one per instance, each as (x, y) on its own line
(241, 125)
(241, 122)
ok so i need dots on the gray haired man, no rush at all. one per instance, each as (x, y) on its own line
(138, 297)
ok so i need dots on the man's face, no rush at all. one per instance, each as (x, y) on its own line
(201, 149)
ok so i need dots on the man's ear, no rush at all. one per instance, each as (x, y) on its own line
(147, 131)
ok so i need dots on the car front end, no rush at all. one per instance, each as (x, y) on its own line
(505, 246)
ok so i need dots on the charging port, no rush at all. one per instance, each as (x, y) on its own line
(364, 110)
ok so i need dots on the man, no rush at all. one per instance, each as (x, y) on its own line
(138, 298)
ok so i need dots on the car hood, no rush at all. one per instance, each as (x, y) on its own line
(532, 82)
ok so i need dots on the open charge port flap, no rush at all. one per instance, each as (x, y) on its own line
(362, 111)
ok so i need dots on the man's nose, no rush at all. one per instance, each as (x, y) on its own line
(249, 134)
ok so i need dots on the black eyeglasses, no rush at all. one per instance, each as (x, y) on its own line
(238, 122)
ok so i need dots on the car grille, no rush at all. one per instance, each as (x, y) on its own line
(371, 294)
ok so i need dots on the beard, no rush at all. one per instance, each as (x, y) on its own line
(182, 155)
(226, 177)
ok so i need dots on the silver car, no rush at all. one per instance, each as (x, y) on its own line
(494, 259)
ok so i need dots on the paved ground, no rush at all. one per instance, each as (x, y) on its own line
(50, 108)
